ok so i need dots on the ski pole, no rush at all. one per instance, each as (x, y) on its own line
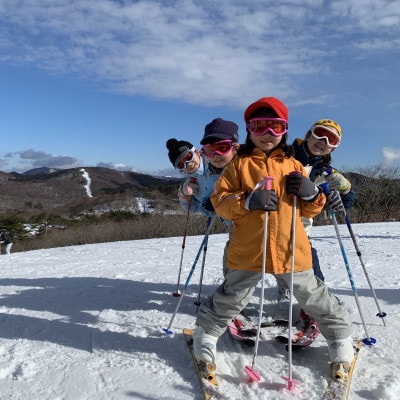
(380, 314)
(176, 293)
(208, 229)
(291, 382)
(368, 340)
(250, 370)
(197, 302)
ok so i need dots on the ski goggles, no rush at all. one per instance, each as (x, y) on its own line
(221, 148)
(261, 126)
(187, 158)
(322, 132)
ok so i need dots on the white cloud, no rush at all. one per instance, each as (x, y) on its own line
(28, 159)
(390, 156)
(36, 159)
(117, 166)
(3, 163)
(207, 52)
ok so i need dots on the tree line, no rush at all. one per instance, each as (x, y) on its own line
(377, 191)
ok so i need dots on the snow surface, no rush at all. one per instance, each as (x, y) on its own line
(88, 180)
(86, 322)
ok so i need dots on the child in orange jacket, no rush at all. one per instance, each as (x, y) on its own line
(238, 196)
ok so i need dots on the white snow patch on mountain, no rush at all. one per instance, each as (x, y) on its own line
(85, 174)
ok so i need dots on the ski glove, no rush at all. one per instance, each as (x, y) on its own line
(189, 188)
(299, 185)
(186, 190)
(261, 200)
(337, 181)
(335, 203)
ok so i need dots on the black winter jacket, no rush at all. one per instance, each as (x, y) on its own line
(319, 165)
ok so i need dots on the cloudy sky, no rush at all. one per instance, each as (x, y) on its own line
(107, 82)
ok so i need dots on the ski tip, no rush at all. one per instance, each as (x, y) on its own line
(176, 294)
(253, 375)
(167, 331)
(369, 341)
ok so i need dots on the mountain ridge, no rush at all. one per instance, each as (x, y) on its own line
(54, 190)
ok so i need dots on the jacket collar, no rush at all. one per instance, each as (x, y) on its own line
(301, 154)
(202, 168)
(277, 153)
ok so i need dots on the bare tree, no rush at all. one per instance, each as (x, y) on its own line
(378, 193)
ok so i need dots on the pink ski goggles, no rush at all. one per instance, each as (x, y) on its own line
(261, 126)
(223, 147)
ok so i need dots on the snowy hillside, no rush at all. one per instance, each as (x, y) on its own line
(85, 322)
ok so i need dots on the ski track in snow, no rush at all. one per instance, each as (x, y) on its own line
(88, 179)
(85, 322)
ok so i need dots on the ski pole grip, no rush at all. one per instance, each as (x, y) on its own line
(325, 188)
(268, 182)
(296, 172)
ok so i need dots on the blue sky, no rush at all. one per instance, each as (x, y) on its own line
(106, 83)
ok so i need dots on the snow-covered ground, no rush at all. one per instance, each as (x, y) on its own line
(86, 322)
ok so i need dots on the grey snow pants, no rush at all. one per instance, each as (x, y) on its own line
(236, 291)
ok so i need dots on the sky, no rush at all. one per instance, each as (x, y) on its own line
(86, 322)
(108, 82)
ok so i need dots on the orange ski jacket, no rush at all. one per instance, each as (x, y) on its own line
(246, 241)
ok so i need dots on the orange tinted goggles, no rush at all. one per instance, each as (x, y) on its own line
(262, 126)
(187, 158)
(223, 147)
(321, 132)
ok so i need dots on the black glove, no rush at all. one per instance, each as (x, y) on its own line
(335, 203)
(207, 205)
(299, 185)
(261, 200)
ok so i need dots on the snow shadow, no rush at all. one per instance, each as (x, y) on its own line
(65, 310)
(96, 315)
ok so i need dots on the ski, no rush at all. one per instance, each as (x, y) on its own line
(303, 338)
(249, 323)
(340, 381)
(251, 314)
(244, 337)
(244, 329)
(206, 374)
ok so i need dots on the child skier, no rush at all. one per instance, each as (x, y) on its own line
(220, 143)
(219, 147)
(314, 152)
(237, 197)
(6, 239)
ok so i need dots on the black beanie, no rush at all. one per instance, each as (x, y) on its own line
(177, 149)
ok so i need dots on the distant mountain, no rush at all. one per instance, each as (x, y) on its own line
(42, 170)
(169, 172)
(76, 191)
(65, 190)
